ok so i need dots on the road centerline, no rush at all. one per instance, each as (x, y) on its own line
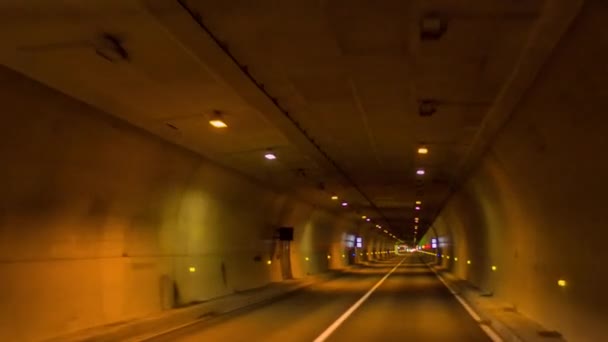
(325, 334)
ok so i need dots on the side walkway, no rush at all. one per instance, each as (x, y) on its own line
(166, 321)
(500, 316)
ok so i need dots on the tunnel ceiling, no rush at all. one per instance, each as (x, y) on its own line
(344, 92)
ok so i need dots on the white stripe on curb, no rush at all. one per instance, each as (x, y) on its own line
(489, 331)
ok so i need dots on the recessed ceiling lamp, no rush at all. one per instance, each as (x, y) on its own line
(364, 217)
(334, 198)
(423, 150)
(417, 207)
(427, 107)
(432, 27)
(270, 156)
(368, 219)
(344, 204)
(420, 172)
(416, 219)
(418, 202)
(217, 120)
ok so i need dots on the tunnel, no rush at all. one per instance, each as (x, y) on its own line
(298, 170)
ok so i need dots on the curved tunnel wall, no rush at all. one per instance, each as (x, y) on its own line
(101, 222)
(535, 207)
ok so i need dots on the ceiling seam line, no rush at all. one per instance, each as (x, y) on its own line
(197, 18)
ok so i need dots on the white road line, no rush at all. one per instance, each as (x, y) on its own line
(489, 331)
(353, 308)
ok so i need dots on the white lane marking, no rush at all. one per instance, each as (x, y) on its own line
(355, 306)
(489, 331)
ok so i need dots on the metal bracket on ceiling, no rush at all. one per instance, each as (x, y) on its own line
(111, 48)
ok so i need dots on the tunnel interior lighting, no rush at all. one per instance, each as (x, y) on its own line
(432, 27)
(270, 156)
(344, 204)
(420, 172)
(192, 269)
(218, 123)
(334, 198)
(217, 120)
(423, 150)
(561, 283)
(494, 268)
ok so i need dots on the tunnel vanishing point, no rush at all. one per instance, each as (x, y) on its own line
(355, 168)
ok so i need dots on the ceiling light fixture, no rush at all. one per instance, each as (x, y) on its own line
(427, 107)
(420, 172)
(432, 27)
(418, 202)
(270, 156)
(334, 198)
(344, 204)
(364, 217)
(217, 121)
(423, 150)
(417, 208)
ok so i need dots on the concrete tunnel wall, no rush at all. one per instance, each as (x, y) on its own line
(100, 220)
(535, 207)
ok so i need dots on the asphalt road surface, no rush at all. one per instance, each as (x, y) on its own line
(410, 304)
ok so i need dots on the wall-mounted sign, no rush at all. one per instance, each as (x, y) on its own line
(349, 241)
